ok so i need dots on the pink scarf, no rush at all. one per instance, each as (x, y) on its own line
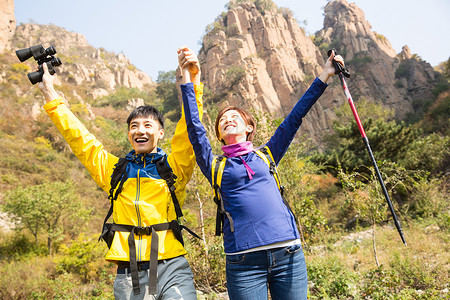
(239, 149)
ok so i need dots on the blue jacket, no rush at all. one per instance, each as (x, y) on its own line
(260, 217)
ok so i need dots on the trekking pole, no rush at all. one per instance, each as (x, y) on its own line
(341, 71)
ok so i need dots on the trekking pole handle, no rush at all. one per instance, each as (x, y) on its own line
(338, 67)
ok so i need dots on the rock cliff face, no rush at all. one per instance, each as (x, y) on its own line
(7, 23)
(259, 57)
(379, 74)
(82, 63)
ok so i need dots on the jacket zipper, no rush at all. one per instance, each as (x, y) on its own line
(136, 206)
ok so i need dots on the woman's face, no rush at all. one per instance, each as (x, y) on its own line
(232, 127)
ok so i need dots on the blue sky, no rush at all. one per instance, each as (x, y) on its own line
(148, 32)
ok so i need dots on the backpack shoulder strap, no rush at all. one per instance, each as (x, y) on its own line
(218, 164)
(118, 177)
(217, 167)
(266, 156)
(166, 173)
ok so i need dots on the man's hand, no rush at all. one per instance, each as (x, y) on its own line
(46, 85)
(189, 64)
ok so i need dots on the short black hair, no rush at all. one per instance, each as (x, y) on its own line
(146, 111)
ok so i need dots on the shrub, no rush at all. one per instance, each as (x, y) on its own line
(399, 84)
(83, 257)
(430, 153)
(264, 5)
(20, 67)
(407, 278)
(330, 279)
(404, 70)
(427, 199)
(360, 61)
(234, 75)
(19, 247)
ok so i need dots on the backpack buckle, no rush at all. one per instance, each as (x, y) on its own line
(272, 168)
(139, 230)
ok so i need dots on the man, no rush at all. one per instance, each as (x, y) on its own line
(145, 204)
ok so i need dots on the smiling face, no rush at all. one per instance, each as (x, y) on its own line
(144, 134)
(232, 128)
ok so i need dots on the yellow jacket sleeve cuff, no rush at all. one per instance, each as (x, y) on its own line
(53, 104)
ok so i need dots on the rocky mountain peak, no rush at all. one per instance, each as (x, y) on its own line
(405, 54)
(346, 22)
(258, 57)
(379, 74)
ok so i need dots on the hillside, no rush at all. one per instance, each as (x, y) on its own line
(255, 55)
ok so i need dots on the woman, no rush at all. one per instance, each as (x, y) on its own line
(261, 240)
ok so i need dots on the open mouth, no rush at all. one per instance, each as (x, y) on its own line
(141, 140)
(226, 127)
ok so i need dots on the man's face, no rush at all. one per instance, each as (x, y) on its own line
(144, 134)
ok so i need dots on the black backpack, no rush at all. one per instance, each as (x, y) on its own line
(118, 178)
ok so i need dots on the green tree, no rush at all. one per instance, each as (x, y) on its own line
(167, 92)
(51, 207)
(388, 139)
(430, 153)
(120, 98)
(437, 117)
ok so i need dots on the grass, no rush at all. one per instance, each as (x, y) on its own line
(417, 271)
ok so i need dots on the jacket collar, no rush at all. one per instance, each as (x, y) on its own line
(148, 158)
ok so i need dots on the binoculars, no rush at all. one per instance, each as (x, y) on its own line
(41, 55)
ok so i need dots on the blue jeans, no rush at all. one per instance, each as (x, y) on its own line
(283, 270)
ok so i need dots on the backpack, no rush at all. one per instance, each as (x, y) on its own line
(118, 178)
(217, 167)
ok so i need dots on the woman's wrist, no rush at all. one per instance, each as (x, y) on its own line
(324, 77)
(196, 78)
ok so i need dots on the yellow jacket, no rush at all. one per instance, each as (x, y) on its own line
(145, 199)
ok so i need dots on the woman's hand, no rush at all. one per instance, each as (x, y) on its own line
(328, 69)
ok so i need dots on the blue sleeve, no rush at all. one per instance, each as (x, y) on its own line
(283, 136)
(196, 131)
